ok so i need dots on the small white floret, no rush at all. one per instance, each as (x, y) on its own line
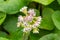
(22, 9)
(32, 12)
(18, 24)
(20, 18)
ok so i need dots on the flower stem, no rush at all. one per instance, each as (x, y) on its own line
(25, 36)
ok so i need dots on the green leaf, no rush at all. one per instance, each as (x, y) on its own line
(2, 38)
(11, 6)
(58, 1)
(34, 36)
(37, 12)
(1, 0)
(54, 5)
(47, 22)
(10, 24)
(56, 19)
(18, 35)
(3, 34)
(2, 17)
(44, 2)
(51, 36)
(47, 37)
(57, 34)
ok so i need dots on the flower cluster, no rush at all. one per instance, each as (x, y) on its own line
(30, 21)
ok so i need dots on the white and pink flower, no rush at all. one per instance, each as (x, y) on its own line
(31, 15)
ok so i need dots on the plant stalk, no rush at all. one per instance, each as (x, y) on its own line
(26, 35)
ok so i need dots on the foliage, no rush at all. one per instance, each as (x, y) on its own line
(49, 10)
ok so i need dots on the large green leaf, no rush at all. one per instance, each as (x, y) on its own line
(18, 35)
(10, 24)
(44, 2)
(56, 19)
(37, 12)
(11, 6)
(3, 34)
(2, 38)
(58, 1)
(54, 5)
(2, 17)
(47, 22)
(50, 37)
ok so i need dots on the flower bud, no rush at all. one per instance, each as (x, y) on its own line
(24, 9)
(20, 18)
(32, 12)
(35, 30)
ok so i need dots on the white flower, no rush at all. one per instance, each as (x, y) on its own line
(35, 25)
(27, 29)
(29, 22)
(24, 8)
(28, 18)
(38, 21)
(18, 24)
(39, 18)
(25, 24)
(32, 12)
(20, 18)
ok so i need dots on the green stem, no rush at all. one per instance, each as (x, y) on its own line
(25, 36)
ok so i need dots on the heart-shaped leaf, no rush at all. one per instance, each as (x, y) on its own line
(44, 2)
(10, 24)
(47, 37)
(50, 37)
(47, 22)
(58, 1)
(11, 6)
(18, 35)
(56, 19)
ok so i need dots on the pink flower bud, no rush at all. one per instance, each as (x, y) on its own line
(28, 18)
(20, 18)
(32, 12)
